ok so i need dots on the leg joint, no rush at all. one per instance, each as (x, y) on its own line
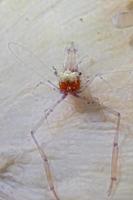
(52, 187)
(45, 159)
(32, 132)
(115, 144)
(113, 178)
(119, 114)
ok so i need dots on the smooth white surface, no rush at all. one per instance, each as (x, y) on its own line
(77, 141)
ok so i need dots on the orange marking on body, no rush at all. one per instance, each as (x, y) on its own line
(69, 86)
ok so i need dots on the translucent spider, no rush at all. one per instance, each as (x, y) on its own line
(70, 84)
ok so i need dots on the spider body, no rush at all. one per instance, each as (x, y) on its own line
(69, 81)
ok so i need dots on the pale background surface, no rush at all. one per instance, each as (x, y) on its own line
(77, 141)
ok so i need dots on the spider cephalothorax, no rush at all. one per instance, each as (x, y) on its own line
(69, 81)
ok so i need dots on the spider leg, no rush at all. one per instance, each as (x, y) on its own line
(90, 81)
(115, 151)
(52, 85)
(42, 152)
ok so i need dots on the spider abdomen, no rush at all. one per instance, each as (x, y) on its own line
(69, 81)
(69, 86)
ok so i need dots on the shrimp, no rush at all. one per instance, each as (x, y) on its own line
(70, 83)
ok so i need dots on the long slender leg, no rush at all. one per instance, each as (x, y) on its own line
(115, 151)
(54, 87)
(37, 85)
(90, 81)
(100, 75)
(41, 151)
